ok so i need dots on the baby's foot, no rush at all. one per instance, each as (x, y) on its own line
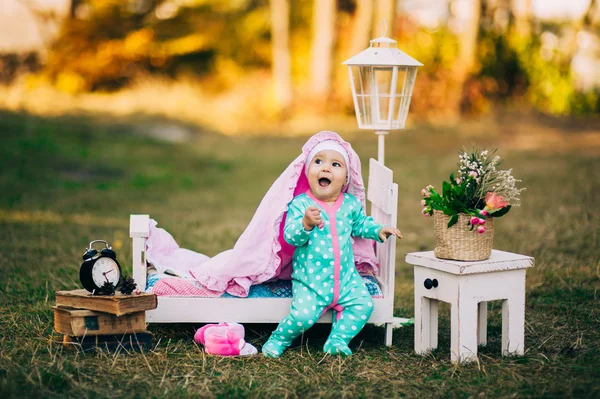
(273, 349)
(337, 348)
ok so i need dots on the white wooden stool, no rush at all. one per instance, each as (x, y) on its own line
(468, 286)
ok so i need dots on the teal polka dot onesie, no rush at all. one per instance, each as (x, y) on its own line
(324, 275)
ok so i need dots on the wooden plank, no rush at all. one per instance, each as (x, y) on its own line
(243, 310)
(498, 261)
(379, 191)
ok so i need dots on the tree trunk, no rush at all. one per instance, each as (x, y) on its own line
(384, 9)
(282, 82)
(586, 22)
(468, 17)
(324, 14)
(521, 12)
(359, 40)
(362, 27)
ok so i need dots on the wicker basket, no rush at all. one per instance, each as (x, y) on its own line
(459, 242)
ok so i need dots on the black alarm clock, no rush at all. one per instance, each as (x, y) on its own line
(99, 268)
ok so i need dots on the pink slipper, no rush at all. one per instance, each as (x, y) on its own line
(224, 339)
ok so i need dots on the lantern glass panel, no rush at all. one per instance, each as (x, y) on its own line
(382, 77)
(360, 89)
(372, 89)
(403, 93)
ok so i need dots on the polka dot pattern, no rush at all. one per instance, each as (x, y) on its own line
(315, 265)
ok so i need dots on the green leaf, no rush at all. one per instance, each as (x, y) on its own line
(501, 212)
(453, 220)
(446, 188)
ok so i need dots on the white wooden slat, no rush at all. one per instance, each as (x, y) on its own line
(242, 310)
(138, 226)
(139, 230)
(380, 186)
(139, 261)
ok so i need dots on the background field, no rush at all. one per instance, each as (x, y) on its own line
(66, 181)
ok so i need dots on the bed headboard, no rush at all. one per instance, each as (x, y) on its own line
(139, 230)
(382, 193)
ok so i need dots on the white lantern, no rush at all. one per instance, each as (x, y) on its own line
(382, 79)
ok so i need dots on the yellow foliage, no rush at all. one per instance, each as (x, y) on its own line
(137, 44)
(182, 45)
(70, 82)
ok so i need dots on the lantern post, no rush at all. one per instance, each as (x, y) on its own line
(382, 78)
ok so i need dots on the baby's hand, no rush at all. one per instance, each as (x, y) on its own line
(312, 218)
(386, 231)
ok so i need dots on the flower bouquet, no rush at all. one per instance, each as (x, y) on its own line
(465, 210)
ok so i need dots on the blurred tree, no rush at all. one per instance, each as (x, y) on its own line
(282, 83)
(361, 29)
(464, 15)
(521, 12)
(360, 33)
(384, 9)
(323, 27)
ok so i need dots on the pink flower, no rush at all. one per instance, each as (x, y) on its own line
(475, 221)
(481, 229)
(494, 202)
(425, 192)
(481, 221)
(425, 212)
(422, 202)
(483, 212)
(473, 174)
(458, 180)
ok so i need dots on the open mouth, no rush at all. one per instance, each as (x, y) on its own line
(324, 182)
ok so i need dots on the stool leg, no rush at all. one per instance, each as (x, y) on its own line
(463, 337)
(433, 323)
(513, 326)
(482, 323)
(424, 339)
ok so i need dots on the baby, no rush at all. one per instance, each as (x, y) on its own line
(320, 224)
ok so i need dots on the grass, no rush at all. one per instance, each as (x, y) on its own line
(65, 181)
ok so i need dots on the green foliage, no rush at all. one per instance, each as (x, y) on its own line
(455, 199)
(514, 67)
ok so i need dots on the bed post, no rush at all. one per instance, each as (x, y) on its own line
(383, 195)
(391, 259)
(139, 230)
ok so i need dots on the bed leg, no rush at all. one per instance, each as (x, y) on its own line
(388, 334)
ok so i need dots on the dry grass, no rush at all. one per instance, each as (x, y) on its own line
(68, 180)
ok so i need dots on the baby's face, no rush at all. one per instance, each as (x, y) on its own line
(327, 175)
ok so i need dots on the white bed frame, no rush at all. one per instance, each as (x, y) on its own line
(382, 193)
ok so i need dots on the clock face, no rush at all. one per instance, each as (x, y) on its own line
(105, 269)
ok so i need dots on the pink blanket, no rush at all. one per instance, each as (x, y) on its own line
(260, 254)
